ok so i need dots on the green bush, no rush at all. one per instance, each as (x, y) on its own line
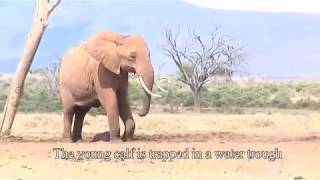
(307, 104)
(254, 97)
(229, 97)
(308, 89)
(96, 111)
(135, 94)
(282, 100)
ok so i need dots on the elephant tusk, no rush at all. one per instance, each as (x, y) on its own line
(146, 89)
(159, 87)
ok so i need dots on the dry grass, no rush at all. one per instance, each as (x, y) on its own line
(281, 122)
(293, 132)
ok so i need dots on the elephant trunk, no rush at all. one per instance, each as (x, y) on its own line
(147, 80)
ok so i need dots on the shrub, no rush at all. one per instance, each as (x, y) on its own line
(228, 97)
(307, 104)
(254, 97)
(282, 100)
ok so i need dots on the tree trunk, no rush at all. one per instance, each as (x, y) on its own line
(44, 8)
(196, 101)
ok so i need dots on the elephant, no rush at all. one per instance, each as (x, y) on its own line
(95, 73)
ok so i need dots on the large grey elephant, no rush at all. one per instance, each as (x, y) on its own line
(96, 73)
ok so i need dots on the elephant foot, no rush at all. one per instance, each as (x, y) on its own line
(77, 139)
(128, 139)
(129, 131)
(115, 136)
(115, 140)
(67, 140)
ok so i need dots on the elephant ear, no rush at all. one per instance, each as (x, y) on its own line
(105, 51)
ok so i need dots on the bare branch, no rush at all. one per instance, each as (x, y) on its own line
(200, 60)
(52, 5)
(174, 53)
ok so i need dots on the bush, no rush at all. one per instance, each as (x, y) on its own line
(282, 100)
(96, 111)
(254, 97)
(226, 97)
(223, 95)
(308, 89)
(307, 104)
(135, 94)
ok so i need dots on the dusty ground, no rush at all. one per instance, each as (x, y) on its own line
(29, 153)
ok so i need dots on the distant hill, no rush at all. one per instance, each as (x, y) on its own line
(276, 44)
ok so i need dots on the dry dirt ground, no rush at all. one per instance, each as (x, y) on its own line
(30, 153)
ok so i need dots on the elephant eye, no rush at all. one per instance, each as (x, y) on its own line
(117, 43)
(132, 56)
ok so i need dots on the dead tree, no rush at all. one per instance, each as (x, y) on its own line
(199, 60)
(51, 75)
(40, 22)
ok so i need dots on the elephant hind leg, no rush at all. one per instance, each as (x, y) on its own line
(68, 113)
(80, 113)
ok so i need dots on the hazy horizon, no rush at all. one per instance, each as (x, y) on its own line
(277, 44)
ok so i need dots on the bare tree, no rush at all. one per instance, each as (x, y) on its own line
(200, 59)
(40, 22)
(52, 77)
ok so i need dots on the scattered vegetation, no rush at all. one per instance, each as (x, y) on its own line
(227, 97)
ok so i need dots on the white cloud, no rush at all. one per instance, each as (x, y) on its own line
(296, 6)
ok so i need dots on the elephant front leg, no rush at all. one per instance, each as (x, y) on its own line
(110, 104)
(129, 124)
(126, 115)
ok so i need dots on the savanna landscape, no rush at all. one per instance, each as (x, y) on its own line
(274, 122)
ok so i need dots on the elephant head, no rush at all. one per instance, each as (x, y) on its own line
(126, 53)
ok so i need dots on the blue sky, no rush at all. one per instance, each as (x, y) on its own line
(280, 38)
